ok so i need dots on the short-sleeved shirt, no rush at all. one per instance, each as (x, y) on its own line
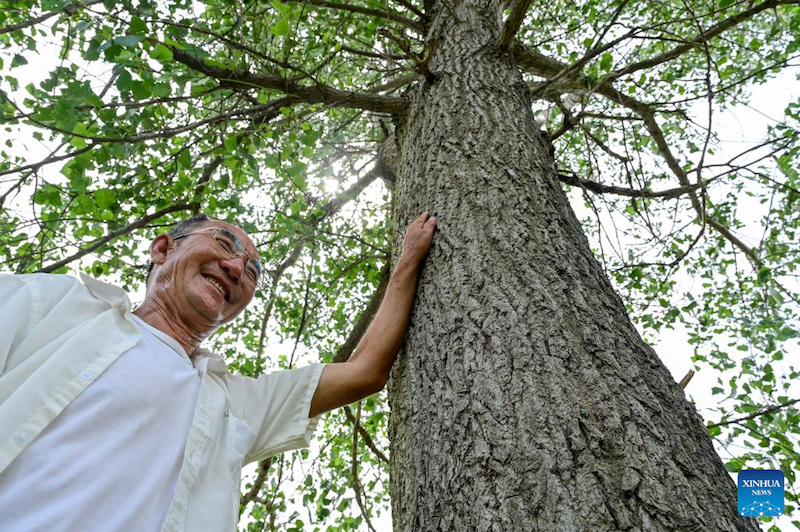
(61, 356)
(111, 459)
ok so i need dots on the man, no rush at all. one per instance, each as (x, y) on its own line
(118, 420)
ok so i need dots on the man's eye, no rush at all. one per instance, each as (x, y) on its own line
(226, 244)
(252, 274)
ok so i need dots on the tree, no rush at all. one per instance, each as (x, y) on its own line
(524, 398)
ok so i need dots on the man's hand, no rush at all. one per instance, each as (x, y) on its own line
(417, 240)
(368, 368)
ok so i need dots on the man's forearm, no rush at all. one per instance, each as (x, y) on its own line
(379, 346)
(367, 370)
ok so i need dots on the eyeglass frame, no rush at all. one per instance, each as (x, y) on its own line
(237, 243)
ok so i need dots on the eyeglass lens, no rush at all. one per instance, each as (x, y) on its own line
(234, 247)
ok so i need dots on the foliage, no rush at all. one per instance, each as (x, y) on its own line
(271, 113)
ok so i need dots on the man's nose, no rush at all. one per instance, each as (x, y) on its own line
(234, 267)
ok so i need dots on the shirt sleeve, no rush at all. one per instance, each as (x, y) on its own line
(276, 407)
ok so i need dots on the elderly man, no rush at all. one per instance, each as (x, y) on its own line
(117, 420)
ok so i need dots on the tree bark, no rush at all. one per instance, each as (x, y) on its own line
(524, 399)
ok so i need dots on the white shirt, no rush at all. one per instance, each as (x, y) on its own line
(58, 335)
(111, 459)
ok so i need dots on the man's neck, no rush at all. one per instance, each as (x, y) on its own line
(156, 315)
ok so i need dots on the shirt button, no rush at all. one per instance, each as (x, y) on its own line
(87, 374)
(22, 438)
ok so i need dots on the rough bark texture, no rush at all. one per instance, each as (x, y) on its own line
(524, 398)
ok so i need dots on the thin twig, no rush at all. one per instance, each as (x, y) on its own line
(252, 494)
(364, 434)
(354, 472)
(755, 414)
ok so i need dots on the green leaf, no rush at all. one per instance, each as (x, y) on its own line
(141, 89)
(138, 27)
(281, 27)
(734, 466)
(48, 194)
(230, 143)
(18, 60)
(113, 52)
(124, 81)
(79, 142)
(105, 198)
(185, 159)
(161, 53)
(84, 205)
(605, 61)
(764, 274)
(128, 41)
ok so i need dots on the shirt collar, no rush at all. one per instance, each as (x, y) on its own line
(113, 295)
(215, 363)
(116, 296)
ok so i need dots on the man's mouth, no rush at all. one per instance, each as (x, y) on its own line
(218, 286)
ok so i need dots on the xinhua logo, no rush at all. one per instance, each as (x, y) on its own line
(760, 492)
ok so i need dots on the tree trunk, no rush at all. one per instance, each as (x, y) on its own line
(524, 398)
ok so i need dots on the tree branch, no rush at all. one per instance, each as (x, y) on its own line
(599, 188)
(535, 62)
(577, 65)
(648, 115)
(686, 379)
(755, 414)
(252, 493)
(403, 21)
(70, 9)
(396, 83)
(544, 66)
(166, 133)
(115, 234)
(47, 160)
(368, 441)
(354, 472)
(513, 22)
(411, 7)
(374, 55)
(308, 94)
(701, 37)
(603, 146)
(200, 187)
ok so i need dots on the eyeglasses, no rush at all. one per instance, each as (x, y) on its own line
(233, 247)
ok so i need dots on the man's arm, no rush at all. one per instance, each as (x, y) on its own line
(367, 370)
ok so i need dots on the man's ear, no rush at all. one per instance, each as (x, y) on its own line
(159, 248)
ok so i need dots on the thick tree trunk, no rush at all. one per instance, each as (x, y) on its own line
(524, 399)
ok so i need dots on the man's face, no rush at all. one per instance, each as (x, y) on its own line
(201, 282)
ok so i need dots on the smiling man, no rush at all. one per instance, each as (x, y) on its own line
(117, 420)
